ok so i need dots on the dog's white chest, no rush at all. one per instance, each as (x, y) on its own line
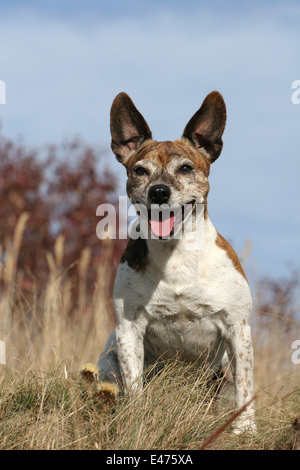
(180, 321)
(181, 301)
(179, 298)
(177, 307)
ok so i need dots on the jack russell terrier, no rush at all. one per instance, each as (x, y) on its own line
(183, 294)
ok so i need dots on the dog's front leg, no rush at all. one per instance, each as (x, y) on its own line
(130, 344)
(240, 354)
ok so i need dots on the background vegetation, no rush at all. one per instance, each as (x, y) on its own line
(56, 281)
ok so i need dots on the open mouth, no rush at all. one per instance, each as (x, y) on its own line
(165, 221)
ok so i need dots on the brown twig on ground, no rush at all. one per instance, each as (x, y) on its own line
(213, 436)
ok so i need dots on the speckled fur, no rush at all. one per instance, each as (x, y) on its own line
(169, 298)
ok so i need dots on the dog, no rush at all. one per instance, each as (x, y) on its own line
(172, 296)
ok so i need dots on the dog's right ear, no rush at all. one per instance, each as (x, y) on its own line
(206, 127)
(127, 126)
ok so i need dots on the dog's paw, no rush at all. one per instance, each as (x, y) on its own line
(90, 373)
(246, 425)
(107, 392)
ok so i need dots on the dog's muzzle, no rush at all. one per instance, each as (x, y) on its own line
(159, 194)
(164, 220)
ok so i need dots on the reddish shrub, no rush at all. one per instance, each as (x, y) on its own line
(60, 187)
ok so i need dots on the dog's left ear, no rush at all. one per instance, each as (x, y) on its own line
(128, 127)
(206, 127)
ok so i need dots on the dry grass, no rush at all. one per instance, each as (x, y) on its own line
(45, 405)
(44, 411)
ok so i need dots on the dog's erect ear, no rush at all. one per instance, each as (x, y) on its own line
(127, 126)
(206, 127)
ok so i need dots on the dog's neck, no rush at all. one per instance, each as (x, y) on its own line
(188, 247)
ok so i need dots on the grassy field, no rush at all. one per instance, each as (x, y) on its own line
(44, 404)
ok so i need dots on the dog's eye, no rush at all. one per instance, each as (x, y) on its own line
(140, 171)
(185, 169)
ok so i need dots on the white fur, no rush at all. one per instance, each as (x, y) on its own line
(192, 302)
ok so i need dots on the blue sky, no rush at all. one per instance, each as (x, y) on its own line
(63, 62)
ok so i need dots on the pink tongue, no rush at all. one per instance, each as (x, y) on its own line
(162, 228)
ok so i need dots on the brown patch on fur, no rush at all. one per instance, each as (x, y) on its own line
(198, 157)
(162, 152)
(136, 254)
(205, 210)
(224, 245)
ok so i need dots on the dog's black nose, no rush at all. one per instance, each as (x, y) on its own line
(159, 193)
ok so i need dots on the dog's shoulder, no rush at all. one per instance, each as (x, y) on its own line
(136, 254)
(223, 244)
